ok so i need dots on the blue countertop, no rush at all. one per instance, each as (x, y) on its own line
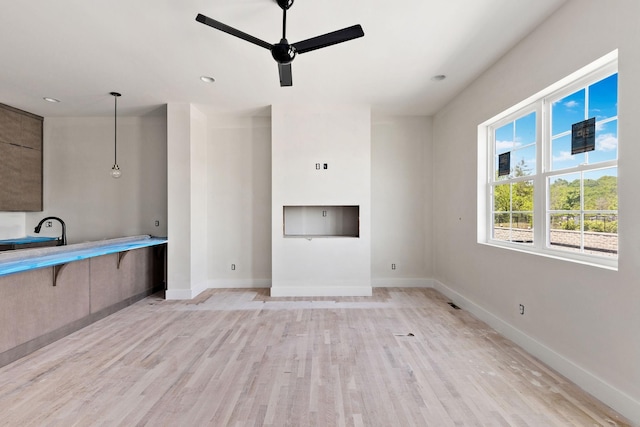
(29, 259)
(27, 239)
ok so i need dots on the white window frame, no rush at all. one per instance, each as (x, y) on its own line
(540, 103)
(532, 108)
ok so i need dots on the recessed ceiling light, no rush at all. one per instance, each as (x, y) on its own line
(48, 99)
(207, 79)
(438, 78)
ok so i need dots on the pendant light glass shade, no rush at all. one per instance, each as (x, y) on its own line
(115, 170)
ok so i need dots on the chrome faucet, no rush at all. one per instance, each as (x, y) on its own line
(64, 229)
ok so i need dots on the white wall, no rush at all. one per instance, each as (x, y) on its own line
(186, 201)
(12, 225)
(200, 216)
(582, 320)
(228, 182)
(401, 183)
(301, 137)
(78, 156)
(239, 201)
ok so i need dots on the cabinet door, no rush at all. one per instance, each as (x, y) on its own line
(30, 180)
(10, 164)
(20, 160)
(31, 132)
(10, 126)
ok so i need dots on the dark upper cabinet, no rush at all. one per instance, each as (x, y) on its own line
(10, 125)
(20, 160)
(31, 132)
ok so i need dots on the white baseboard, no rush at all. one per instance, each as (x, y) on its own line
(417, 282)
(178, 294)
(321, 291)
(266, 283)
(183, 294)
(239, 283)
(611, 396)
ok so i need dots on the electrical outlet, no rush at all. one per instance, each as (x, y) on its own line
(157, 223)
(393, 266)
(521, 309)
(48, 224)
(233, 267)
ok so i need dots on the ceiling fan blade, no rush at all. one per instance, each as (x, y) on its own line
(230, 30)
(329, 39)
(286, 79)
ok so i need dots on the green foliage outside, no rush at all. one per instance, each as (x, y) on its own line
(599, 195)
(515, 197)
(595, 223)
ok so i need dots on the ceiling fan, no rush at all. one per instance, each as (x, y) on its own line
(283, 52)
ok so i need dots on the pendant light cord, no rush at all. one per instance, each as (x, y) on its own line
(115, 127)
(115, 130)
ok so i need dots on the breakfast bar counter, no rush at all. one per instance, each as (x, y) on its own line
(48, 293)
(29, 259)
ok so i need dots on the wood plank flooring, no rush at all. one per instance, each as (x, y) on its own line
(403, 357)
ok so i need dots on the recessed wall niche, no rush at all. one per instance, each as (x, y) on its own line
(321, 221)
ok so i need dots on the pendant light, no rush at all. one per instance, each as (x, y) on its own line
(115, 170)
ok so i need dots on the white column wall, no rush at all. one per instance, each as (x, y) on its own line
(187, 210)
(582, 320)
(301, 137)
(200, 215)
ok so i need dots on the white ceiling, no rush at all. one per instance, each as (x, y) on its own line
(153, 52)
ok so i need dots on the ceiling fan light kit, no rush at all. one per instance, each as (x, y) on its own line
(284, 52)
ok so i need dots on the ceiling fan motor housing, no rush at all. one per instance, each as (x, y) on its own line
(283, 52)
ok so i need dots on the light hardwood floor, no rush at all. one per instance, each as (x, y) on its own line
(240, 358)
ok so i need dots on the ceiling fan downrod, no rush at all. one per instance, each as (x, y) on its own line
(284, 24)
(283, 52)
(284, 5)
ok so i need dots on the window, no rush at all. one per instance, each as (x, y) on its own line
(515, 146)
(550, 170)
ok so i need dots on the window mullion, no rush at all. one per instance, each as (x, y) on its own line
(539, 189)
(582, 211)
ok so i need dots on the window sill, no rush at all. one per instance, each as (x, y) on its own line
(607, 264)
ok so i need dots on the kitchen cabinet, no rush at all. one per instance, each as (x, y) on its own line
(20, 160)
